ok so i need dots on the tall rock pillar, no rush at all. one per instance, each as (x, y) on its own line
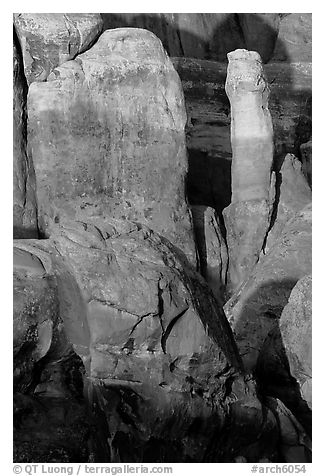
(247, 218)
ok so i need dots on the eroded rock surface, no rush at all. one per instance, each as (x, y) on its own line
(107, 137)
(212, 249)
(292, 195)
(24, 195)
(247, 218)
(257, 306)
(50, 39)
(306, 158)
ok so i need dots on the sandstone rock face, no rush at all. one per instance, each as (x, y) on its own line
(293, 195)
(37, 324)
(306, 157)
(260, 31)
(294, 38)
(212, 249)
(162, 356)
(296, 333)
(24, 199)
(107, 137)
(275, 36)
(257, 306)
(195, 35)
(247, 218)
(50, 39)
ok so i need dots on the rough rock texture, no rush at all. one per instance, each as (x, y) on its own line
(275, 36)
(294, 339)
(247, 218)
(50, 418)
(163, 370)
(212, 249)
(296, 332)
(293, 194)
(294, 38)
(107, 137)
(50, 39)
(24, 199)
(306, 158)
(257, 306)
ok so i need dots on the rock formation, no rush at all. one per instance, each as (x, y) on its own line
(159, 352)
(212, 249)
(256, 307)
(247, 218)
(122, 349)
(24, 199)
(306, 158)
(50, 39)
(107, 137)
(293, 194)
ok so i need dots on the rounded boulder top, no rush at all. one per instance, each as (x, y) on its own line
(133, 44)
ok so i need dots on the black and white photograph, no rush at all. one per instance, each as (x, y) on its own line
(162, 241)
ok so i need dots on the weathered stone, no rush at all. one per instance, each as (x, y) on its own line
(293, 194)
(37, 323)
(24, 199)
(306, 158)
(294, 38)
(212, 249)
(247, 218)
(296, 333)
(161, 351)
(257, 306)
(107, 136)
(50, 39)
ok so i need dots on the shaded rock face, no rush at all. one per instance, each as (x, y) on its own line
(96, 125)
(50, 39)
(292, 195)
(212, 248)
(247, 218)
(24, 199)
(295, 32)
(256, 307)
(275, 36)
(296, 332)
(50, 417)
(306, 158)
(294, 339)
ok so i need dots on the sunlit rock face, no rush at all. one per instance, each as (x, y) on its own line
(107, 137)
(247, 218)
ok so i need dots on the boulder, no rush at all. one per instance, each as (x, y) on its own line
(296, 334)
(256, 307)
(212, 249)
(293, 194)
(247, 218)
(306, 159)
(24, 195)
(107, 138)
(49, 39)
(161, 351)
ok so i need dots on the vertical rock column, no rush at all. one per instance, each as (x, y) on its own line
(247, 218)
(24, 200)
(107, 136)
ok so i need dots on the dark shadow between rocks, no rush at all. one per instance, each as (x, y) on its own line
(261, 312)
